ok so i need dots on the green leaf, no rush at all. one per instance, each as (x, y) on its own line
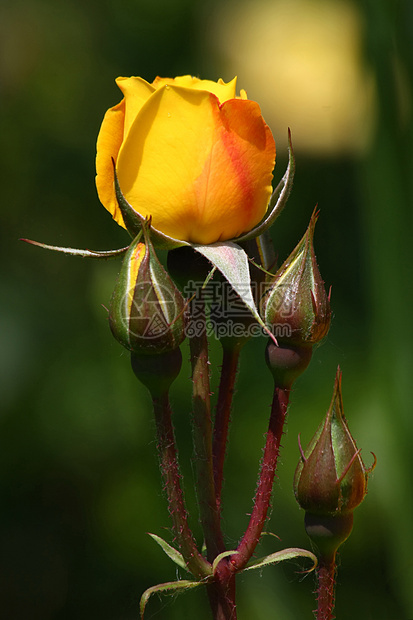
(170, 587)
(232, 262)
(270, 534)
(76, 252)
(220, 557)
(280, 556)
(170, 551)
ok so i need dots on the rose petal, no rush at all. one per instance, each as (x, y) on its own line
(108, 144)
(136, 92)
(222, 90)
(201, 170)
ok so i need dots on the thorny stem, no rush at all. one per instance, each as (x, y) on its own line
(198, 566)
(222, 416)
(326, 575)
(268, 467)
(221, 591)
(202, 429)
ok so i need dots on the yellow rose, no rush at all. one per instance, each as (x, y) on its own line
(190, 154)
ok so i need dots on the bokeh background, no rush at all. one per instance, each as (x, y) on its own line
(80, 486)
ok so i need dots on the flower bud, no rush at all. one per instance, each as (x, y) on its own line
(147, 311)
(331, 479)
(296, 307)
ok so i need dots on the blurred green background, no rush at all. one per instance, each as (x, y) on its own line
(79, 480)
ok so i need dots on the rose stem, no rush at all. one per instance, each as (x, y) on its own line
(222, 415)
(202, 427)
(326, 575)
(221, 591)
(263, 494)
(196, 563)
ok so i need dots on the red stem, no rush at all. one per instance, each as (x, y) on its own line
(221, 593)
(202, 435)
(197, 564)
(222, 416)
(326, 575)
(263, 494)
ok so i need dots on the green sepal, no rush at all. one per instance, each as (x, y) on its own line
(75, 252)
(279, 556)
(170, 551)
(171, 587)
(278, 199)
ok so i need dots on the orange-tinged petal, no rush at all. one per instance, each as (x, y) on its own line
(222, 90)
(109, 142)
(201, 170)
(136, 91)
(237, 176)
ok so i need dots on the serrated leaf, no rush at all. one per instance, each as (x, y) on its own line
(170, 551)
(75, 252)
(232, 261)
(168, 587)
(280, 556)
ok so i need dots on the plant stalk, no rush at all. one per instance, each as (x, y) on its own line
(202, 433)
(268, 467)
(326, 575)
(196, 563)
(222, 416)
(221, 593)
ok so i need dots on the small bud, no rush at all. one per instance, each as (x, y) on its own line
(147, 311)
(331, 479)
(296, 307)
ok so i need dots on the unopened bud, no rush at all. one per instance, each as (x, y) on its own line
(296, 307)
(331, 480)
(147, 310)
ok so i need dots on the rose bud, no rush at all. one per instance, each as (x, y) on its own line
(331, 480)
(296, 309)
(296, 305)
(147, 311)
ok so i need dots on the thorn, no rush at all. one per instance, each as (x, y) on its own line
(347, 469)
(370, 469)
(300, 448)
